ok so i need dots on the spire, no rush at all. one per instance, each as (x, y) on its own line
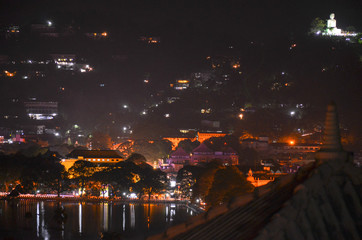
(332, 147)
(332, 139)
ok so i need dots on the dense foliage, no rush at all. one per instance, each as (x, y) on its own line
(212, 183)
(45, 174)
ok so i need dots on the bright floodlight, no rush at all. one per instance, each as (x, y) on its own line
(172, 183)
(49, 23)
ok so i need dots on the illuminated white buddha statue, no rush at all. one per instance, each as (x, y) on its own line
(332, 26)
(331, 23)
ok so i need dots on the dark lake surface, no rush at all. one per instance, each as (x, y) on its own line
(28, 219)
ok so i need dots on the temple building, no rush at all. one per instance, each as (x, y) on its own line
(257, 182)
(178, 159)
(95, 156)
(202, 154)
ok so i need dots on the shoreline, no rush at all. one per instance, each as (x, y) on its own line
(73, 199)
(195, 208)
(186, 203)
(94, 200)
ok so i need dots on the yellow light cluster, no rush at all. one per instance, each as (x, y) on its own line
(9, 74)
(236, 65)
(182, 81)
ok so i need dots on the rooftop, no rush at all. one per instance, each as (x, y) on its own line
(179, 152)
(202, 148)
(94, 154)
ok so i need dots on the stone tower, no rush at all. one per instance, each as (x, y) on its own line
(332, 147)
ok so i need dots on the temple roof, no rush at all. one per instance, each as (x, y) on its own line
(202, 148)
(180, 152)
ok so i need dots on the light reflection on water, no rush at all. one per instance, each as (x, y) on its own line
(124, 217)
(80, 218)
(25, 219)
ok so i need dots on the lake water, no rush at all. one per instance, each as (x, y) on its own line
(25, 219)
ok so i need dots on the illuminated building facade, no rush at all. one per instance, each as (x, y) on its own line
(203, 154)
(178, 159)
(181, 84)
(202, 136)
(94, 156)
(257, 182)
(64, 61)
(41, 110)
(296, 148)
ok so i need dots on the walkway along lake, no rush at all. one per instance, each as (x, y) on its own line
(29, 219)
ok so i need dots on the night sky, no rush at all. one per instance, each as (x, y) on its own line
(195, 18)
(259, 32)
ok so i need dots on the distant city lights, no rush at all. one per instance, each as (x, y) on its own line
(9, 74)
(133, 195)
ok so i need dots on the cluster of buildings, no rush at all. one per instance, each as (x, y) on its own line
(38, 119)
(202, 154)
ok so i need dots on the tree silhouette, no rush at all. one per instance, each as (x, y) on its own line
(81, 171)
